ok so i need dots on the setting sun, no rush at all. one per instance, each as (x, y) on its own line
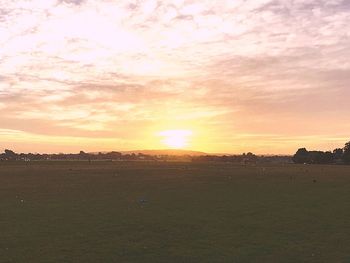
(175, 139)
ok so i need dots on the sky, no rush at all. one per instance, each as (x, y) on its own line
(266, 76)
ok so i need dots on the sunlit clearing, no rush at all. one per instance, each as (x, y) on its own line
(176, 139)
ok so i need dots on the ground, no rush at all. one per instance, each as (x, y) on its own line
(173, 212)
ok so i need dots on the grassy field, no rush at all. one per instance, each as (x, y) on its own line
(173, 212)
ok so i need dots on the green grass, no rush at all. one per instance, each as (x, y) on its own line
(81, 212)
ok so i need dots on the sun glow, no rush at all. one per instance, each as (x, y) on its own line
(175, 139)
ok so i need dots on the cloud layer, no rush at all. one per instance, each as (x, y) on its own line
(263, 75)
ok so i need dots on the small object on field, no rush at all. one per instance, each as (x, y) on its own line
(314, 180)
(143, 201)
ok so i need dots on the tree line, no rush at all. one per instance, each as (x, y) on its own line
(337, 156)
(245, 158)
(10, 155)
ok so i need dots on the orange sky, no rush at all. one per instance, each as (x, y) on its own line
(263, 76)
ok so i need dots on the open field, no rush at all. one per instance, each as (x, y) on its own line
(173, 212)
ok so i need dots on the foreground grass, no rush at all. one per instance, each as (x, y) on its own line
(173, 212)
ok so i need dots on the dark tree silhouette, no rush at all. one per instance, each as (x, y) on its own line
(9, 152)
(328, 157)
(346, 154)
(338, 153)
(301, 156)
(10, 155)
